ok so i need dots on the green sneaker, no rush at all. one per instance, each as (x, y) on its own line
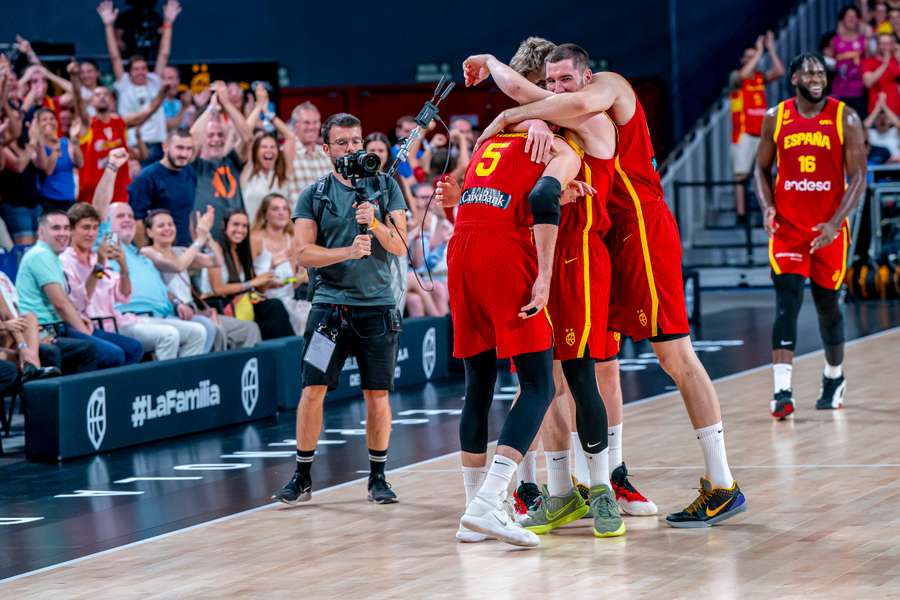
(607, 521)
(554, 511)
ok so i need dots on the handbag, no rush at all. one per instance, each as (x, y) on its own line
(241, 306)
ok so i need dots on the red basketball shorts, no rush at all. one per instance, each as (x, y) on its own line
(489, 275)
(647, 295)
(789, 253)
(579, 296)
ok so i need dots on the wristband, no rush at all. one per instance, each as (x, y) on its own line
(112, 167)
(374, 225)
(22, 345)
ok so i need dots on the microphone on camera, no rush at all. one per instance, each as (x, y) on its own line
(423, 120)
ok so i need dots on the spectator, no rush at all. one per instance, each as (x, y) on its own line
(310, 160)
(19, 184)
(880, 22)
(272, 244)
(138, 88)
(219, 165)
(67, 355)
(894, 19)
(62, 155)
(880, 73)
(169, 184)
(149, 293)
(20, 336)
(89, 76)
(267, 170)
(41, 284)
(748, 107)
(237, 277)
(96, 289)
(419, 149)
(882, 124)
(428, 252)
(173, 263)
(848, 47)
(178, 106)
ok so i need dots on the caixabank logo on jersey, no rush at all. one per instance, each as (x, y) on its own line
(152, 401)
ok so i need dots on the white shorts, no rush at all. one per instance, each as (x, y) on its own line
(743, 154)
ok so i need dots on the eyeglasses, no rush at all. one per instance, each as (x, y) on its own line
(343, 143)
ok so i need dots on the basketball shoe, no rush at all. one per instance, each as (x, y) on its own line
(554, 511)
(783, 404)
(607, 520)
(712, 506)
(494, 518)
(831, 396)
(631, 501)
(527, 497)
(467, 536)
(380, 491)
(295, 491)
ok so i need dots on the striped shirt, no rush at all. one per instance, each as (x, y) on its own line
(309, 166)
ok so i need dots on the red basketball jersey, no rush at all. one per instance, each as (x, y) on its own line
(589, 213)
(95, 145)
(498, 180)
(810, 160)
(748, 107)
(636, 178)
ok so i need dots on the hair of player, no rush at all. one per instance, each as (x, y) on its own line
(530, 55)
(580, 58)
(338, 120)
(801, 58)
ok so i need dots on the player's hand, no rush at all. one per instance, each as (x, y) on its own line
(496, 126)
(540, 293)
(769, 221)
(447, 192)
(539, 142)
(828, 232)
(365, 213)
(475, 69)
(362, 246)
(576, 189)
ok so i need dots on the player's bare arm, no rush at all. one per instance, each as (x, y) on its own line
(855, 168)
(765, 160)
(478, 67)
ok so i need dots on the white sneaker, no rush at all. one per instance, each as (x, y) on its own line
(467, 536)
(494, 519)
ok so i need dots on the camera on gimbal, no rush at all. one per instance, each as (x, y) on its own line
(358, 165)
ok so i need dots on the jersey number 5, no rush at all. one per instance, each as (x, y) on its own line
(486, 167)
(807, 164)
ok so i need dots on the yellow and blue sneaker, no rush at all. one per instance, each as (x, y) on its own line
(712, 506)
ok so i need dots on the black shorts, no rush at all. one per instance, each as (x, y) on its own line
(369, 333)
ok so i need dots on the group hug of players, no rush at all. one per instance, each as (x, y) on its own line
(563, 243)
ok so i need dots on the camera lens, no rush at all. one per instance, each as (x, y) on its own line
(369, 163)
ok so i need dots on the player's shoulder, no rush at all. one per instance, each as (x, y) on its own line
(850, 116)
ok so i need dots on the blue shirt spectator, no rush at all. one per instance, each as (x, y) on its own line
(148, 290)
(59, 185)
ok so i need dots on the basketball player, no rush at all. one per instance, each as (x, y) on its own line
(648, 293)
(819, 145)
(500, 265)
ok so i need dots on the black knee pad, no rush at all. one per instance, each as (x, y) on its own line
(788, 300)
(831, 318)
(481, 375)
(590, 412)
(535, 371)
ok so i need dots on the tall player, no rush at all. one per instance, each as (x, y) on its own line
(500, 262)
(648, 293)
(819, 144)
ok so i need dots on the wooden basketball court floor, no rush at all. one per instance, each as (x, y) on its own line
(823, 520)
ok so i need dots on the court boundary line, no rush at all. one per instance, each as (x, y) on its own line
(724, 378)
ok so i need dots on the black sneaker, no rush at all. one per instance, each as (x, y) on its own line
(295, 491)
(712, 506)
(380, 491)
(832, 395)
(527, 497)
(783, 404)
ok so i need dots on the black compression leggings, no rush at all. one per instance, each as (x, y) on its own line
(590, 412)
(831, 322)
(535, 372)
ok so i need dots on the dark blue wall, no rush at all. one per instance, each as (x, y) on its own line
(383, 42)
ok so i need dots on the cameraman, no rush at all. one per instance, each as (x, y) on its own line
(351, 244)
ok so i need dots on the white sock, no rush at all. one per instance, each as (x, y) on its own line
(473, 477)
(782, 375)
(615, 446)
(712, 441)
(526, 472)
(833, 372)
(496, 482)
(598, 464)
(582, 473)
(559, 476)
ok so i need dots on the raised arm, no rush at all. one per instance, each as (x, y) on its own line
(749, 68)
(762, 176)
(137, 119)
(236, 117)
(198, 129)
(170, 13)
(855, 169)
(477, 68)
(108, 14)
(103, 193)
(776, 69)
